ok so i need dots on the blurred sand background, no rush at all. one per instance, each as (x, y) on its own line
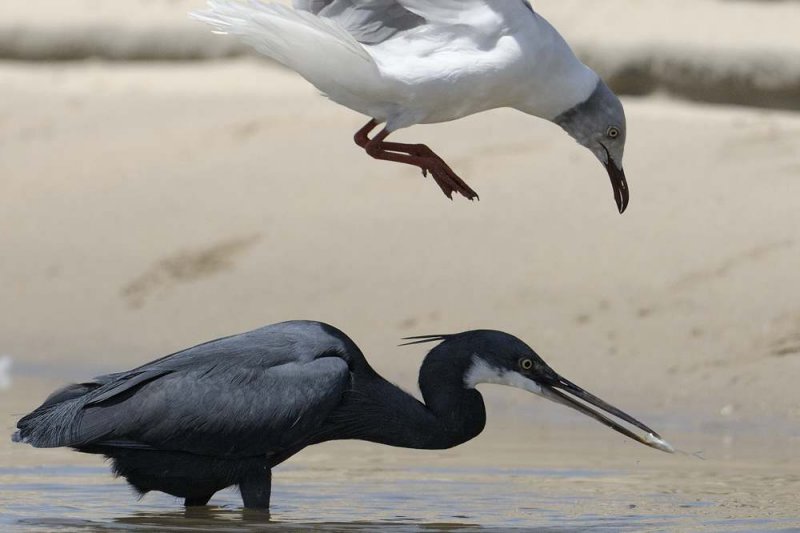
(161, 187)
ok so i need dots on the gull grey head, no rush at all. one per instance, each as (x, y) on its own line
(599, 125)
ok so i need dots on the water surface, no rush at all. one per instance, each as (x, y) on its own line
(561, 479)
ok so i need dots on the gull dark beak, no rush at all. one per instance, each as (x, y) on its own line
(619, 184)
(565, 392)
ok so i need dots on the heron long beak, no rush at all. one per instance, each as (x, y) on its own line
(619, 184)
(557, 390)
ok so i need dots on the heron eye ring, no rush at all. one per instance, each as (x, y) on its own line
(613, 132)
(526, 364)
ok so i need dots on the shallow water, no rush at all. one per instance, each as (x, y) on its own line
(603, 483)
(526, 471)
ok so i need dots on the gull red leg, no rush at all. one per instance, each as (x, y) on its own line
(417, 155)
(362, 136)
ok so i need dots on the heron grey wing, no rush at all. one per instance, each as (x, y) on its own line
(236, 410)
(276, 344)
(368, 21)
(57, 422)
(48, 425)
(115, 388)
(75, 390)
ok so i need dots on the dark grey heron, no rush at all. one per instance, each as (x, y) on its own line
(225, 412)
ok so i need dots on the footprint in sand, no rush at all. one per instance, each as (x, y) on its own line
(186, 266)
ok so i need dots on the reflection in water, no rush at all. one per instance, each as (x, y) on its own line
(402, 500)
(223, 520)
(492, 484)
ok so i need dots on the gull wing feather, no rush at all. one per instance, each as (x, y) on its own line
(481, 14)
(368, 21)
(375, 21)
(319, 49)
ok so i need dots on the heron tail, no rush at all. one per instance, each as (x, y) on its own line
(53, 423)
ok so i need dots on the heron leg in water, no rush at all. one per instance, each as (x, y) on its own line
(197, 502)
(256, 490)
(418, 155)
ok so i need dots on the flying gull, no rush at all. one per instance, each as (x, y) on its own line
(407, 62)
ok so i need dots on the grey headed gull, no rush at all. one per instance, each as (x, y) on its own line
(406, 62)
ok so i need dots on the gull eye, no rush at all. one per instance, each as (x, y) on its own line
(612, 132)
(525, 364)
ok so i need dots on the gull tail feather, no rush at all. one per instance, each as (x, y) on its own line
(316, 48)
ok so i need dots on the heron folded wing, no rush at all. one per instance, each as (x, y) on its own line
(228, 409)
(57, 421)
(114, 389)
(280, 375)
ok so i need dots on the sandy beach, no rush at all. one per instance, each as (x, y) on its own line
(150, 206)
(156, 206)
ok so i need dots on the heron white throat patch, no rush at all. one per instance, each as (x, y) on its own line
(483, 372)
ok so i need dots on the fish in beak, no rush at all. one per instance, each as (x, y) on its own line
(567, 393)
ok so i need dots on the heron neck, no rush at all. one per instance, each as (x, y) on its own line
(459, 411)
(378, 411)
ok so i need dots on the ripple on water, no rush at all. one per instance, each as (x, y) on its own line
(420, 499)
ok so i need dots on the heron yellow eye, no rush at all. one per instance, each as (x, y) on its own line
(613, 132)
(525, 364)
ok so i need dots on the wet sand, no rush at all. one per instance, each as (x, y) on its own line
(149, 207)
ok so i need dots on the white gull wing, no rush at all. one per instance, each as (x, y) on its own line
(485, 15)
(374, 21)
(475, 55)
(368, 21)
(421, 61)
(318, 49)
